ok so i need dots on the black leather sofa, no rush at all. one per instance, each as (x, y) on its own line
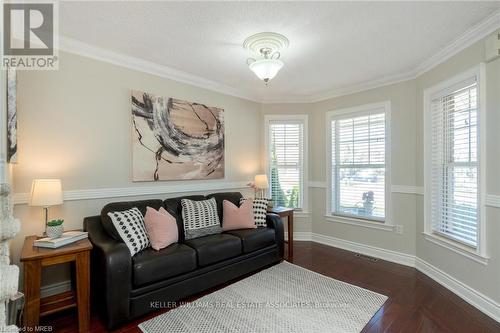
(125, 287)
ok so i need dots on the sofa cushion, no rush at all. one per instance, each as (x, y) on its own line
(215, 248)
(161, 227)
(233, 197)
(174, 207)
(200, 218)
(259, 210)
(121, 206)
(254, 239)
(150, 265)
(131, 228)
(236, 218)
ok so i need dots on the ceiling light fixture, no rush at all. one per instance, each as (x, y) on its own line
(267, 46)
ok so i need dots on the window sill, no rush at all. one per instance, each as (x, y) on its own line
(360, 222)
(456, 247)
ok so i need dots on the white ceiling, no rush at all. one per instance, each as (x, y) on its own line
(333, 45)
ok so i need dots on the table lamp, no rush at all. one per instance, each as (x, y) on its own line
(261, 184)
(46, 193)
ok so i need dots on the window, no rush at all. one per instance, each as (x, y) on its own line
(358, 159)
(285, 136)
(453, 190)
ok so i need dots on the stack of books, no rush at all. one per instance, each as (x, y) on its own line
(67, 238)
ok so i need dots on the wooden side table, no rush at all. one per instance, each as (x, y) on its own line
(34, 259)
(288, 213)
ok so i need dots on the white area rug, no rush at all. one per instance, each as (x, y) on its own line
(283, 298)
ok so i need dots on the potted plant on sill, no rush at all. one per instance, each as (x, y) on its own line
(368, 202)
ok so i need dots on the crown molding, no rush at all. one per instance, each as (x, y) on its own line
(355, 88)
(83, 49)
(471, 36)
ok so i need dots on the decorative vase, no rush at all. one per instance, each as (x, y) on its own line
(54, 231)
(368, 207)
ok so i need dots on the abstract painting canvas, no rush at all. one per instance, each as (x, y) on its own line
(11, 116)
(175, 139)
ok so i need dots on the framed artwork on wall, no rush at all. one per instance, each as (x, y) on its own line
(11, 116)
(173, 139)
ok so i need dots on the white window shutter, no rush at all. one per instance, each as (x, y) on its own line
(454, 170)
(286, 162)
(358, 144)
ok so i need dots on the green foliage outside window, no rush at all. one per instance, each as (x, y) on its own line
(289, 199)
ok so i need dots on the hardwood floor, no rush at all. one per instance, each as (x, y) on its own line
(416, 303)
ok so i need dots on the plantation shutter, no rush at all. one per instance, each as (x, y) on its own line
(454, 193)
(358, 165)
(286, 149)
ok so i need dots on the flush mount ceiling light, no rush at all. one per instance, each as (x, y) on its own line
(266, 46)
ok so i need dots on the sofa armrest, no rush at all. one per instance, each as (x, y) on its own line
(111, 273)
(274, 221)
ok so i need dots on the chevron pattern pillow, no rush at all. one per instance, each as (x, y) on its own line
(200, 218)
(259, 211)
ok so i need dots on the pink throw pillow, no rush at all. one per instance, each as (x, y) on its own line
(161, 227)
(237, 218)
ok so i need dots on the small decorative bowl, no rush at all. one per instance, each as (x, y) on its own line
(54, 231)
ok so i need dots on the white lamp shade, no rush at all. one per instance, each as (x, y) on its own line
(266, 69)
(261, 182)
(46, 192)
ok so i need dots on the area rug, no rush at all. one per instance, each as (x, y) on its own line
(283, 298)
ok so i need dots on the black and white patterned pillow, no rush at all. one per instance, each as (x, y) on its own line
(259, 211)
(200, 218)
(130, 227)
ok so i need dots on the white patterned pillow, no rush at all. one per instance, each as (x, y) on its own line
(200, 218)
(130, 227)
(259, 211)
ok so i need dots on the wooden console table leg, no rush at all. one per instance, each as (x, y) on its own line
(83, 290)
(290, 235)
(32, 280)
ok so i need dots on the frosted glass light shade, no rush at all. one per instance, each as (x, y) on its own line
(261, 182)
(46, 192)
(266, 69)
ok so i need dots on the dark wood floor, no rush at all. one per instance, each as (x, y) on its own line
(416, 303)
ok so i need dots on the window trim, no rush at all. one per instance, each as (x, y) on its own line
(350, 112)
(442, 87)
(304, 190)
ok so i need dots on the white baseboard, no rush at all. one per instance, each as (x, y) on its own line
(392, 256)
(468, 294)
(55, 288)
(480, 301)
(299, 236)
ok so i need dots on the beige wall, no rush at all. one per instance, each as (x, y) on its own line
(407, 169)
(483, 278)
(75, 124)
(402, 97)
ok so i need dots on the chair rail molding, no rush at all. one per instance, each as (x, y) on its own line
(316, 184)
(118, 192)
(492, 200)
(407, 189)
